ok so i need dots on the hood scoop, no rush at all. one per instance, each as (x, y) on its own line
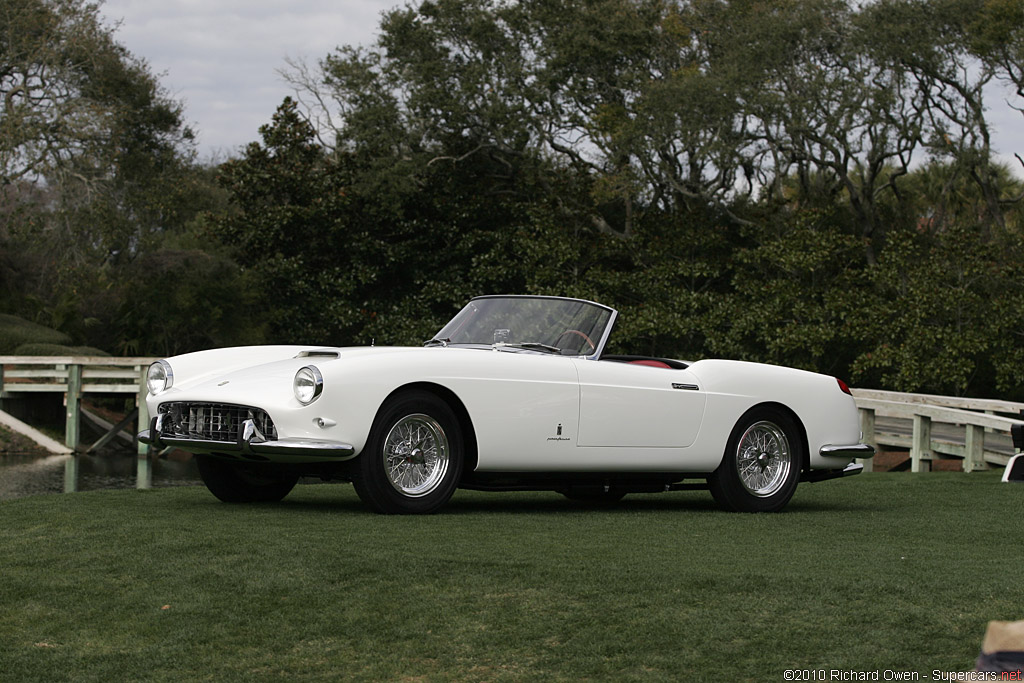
(319, 353)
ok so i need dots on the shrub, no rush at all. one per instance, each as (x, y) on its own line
(16, 332)
(40, 349)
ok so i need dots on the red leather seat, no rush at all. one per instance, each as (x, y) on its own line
(651, 363)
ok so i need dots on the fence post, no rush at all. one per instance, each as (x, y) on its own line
(921, 445)
(72, 425)
(72, 421)
(143, 465)
(867, 428)
(974, 451)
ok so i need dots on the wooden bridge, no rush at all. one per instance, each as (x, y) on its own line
(73, 377)
(974, 431)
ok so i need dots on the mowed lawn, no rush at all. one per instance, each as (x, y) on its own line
(882, 572)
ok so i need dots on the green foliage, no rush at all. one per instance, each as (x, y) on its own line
(96, 170)
(38, 349)
(950, 277)
(310, 264)
(948, 313)
(15, 332)
(177, 299)
(786, 301)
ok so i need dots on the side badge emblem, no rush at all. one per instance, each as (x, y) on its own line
(558, 434)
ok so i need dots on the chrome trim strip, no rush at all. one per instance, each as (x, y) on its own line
(607, 333)
(859, 450)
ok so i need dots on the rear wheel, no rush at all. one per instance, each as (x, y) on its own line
(413, 459)
(761, 467)
(235, 482)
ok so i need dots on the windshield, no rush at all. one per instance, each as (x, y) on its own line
(546, 324)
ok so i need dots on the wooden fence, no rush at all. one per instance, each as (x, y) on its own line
(974, 430)
(75, 376)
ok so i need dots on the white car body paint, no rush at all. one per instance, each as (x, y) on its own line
(530, 412)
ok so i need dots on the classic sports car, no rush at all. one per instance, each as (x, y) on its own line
(515, 393)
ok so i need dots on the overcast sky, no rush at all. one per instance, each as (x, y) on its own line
(221, 58)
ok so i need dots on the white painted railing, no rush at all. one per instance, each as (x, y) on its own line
(940, 427)
(73, 376)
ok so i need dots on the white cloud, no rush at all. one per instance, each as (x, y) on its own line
(221, 57)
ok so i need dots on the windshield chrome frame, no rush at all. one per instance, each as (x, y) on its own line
(614, 314)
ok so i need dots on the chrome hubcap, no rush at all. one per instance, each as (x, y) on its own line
(763, 459)
(416, 455)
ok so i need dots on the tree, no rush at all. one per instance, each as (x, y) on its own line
(67, 87)
(734, 175)
(941, 311)
(101, 187)
(936, 44)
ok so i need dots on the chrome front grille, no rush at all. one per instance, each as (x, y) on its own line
(212, 421)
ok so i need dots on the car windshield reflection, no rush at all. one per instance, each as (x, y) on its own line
(568, 327)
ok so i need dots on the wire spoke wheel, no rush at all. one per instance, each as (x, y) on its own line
(761, 466)
(763, 459)
(412, 460)
(416, 455)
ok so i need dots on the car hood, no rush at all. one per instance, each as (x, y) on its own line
(245, 375)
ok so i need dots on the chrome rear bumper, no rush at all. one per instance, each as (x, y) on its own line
(857, 450)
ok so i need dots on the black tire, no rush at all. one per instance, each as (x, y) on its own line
(412, 461)
(761, 467)
(236, 482)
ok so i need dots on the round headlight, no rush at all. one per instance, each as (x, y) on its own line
(308, 384)
(159, 378)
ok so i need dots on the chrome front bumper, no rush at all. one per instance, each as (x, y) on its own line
(252, 445)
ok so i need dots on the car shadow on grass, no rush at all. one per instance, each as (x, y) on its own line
(341, 499)
(628, 506)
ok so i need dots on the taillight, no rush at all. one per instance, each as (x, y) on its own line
(843, 386)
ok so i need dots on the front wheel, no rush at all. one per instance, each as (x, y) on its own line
(761, 466)
(413, 458)
(234, 482)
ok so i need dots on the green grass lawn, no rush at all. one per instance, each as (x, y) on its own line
(880, 572)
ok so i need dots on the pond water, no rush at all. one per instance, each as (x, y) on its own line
(29, 475)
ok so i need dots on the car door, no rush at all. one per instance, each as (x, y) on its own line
(637, 406)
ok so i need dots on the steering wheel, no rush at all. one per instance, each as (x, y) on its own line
(593, 346)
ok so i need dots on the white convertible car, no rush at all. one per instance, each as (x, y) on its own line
(515, 393)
